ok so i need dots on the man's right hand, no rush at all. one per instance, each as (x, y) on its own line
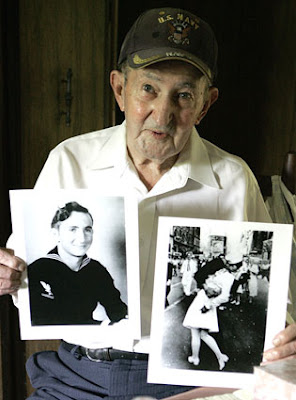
(11, 269)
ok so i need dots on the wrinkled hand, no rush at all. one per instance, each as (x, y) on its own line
(11, 269)
(284, 345)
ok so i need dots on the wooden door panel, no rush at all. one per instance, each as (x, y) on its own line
(54, 36)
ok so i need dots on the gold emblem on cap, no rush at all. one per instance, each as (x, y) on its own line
(138, 60)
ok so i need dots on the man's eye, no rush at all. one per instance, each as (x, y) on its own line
(185, 96)
(148, 88)
(88, 229)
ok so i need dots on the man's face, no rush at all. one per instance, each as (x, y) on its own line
(232, 267)
(162, 103)
(75, 234)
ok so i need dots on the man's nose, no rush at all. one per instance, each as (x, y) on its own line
(164, 110)
(81, 236)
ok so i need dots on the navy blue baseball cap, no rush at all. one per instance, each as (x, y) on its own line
(163, 34)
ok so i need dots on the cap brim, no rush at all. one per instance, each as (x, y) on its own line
(144, 58)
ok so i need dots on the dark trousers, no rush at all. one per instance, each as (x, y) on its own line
(65, 375)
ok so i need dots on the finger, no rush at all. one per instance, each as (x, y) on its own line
(288, 350)
(10, 280)
(10, 251)
(285, 336)
(11, 290)
(9, 286)
(9, 274)
(9, 277)
(7, 259)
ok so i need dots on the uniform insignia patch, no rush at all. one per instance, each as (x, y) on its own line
(47, 289)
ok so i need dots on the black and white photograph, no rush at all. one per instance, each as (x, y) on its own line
(215, 283)
(77, 245)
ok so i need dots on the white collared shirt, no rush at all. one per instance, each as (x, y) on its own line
(205, 182)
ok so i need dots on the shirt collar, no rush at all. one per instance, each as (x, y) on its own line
(114, 153)
(200, 169)
(54, 255)
(193, 162)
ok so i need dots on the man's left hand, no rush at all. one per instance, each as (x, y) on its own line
(284, 345)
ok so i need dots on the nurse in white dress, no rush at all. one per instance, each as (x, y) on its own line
(201, 318)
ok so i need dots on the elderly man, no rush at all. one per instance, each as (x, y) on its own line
(164, 86)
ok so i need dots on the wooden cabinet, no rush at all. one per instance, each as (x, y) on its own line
(66, 49)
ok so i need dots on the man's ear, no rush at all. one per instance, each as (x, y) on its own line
(55, 234)
(213, 95)
(117, 84)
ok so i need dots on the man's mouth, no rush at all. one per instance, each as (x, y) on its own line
(159, 134)
(81, 246)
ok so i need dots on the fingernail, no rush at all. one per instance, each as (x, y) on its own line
(22, 267)
(276, 341)
(270, 356)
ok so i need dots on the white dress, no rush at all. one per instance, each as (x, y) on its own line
(194, 318)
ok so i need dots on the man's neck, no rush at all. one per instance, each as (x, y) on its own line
(150, 172)
(71, 261)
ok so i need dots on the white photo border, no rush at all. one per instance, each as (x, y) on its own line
(32, 211)
(276, 310)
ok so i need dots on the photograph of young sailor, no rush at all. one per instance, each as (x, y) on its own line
(231, 336)
(65, 286)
